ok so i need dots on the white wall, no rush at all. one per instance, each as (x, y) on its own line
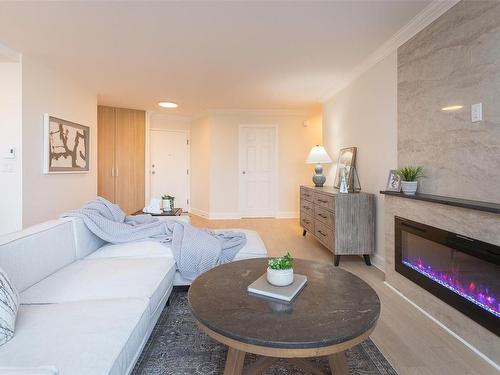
(45, 91)
(214, 158)
(11, 130)
(170, 122)
(364, 115)
(199, 166)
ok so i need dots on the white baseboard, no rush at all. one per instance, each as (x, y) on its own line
(224, 215)
(455, 335)
(198, 212)
(378, 262)
(287, 215)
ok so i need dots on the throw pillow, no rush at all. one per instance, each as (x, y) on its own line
(9, 303)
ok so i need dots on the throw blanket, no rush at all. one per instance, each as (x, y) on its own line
(195, 250)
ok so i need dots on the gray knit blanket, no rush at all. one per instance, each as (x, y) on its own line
(195, 250)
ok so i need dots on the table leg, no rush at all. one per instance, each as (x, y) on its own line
(338, 364)
(234, 362)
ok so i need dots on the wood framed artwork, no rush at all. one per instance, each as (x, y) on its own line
(393, 181)
(346, 162)
(66, 146)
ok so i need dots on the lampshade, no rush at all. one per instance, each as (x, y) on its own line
(318, 155)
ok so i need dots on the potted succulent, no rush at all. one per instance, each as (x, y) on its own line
(280, 271)
(409, 178)
(167, 202)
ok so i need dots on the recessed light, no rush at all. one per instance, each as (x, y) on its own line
(168, 104)
(452, 108)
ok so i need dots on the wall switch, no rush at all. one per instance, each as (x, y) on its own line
(11, 153)
(476, 112)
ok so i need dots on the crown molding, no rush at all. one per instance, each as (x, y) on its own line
(423, 19)
(263, 112)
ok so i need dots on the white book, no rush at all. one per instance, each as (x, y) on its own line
(285, 293)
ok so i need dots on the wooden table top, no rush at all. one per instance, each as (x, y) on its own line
(335, 306)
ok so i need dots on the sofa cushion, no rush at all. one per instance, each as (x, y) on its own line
(9, 303)
(90, 337)
(32, 254)
(92, 279)
(254, 247)
(136, 249)
(86, 242)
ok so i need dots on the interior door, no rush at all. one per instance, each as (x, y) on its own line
(106, 152)
(130, 159)
(169, 166)
(258, 171)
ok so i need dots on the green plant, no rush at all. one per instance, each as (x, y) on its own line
(410, 174)
(281, 263)
(165, 196)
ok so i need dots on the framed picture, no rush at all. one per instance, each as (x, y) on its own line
(66, 146)
(393, 181)
(347, 160)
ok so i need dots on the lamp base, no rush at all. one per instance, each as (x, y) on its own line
(318, 178)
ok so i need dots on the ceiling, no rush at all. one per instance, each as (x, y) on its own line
(233, 55)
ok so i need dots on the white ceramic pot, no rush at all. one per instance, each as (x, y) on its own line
(409, 187)
(280, 277)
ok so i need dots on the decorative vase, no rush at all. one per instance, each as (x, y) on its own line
(409, 187)
(167, 204)
(280, 277)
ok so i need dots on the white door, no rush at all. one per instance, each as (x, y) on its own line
(258, 171)
(169, 166)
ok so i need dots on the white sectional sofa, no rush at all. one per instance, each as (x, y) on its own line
(87, 307)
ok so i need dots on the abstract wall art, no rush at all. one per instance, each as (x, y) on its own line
(66, 146)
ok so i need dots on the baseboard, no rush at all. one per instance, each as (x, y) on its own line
(224, 215)
(198, 212)
(378, 262)
(287, 215)
(452, 333)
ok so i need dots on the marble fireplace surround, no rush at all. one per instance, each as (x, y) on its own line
(483, 226)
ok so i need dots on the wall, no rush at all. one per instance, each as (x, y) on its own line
(45, 91)
(294, 143)
(170, 122)
(454, 61)
(200, 166)
(364, 115)
(11, 130)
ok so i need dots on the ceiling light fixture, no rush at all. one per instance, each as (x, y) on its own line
(452, 108)
(168, 104)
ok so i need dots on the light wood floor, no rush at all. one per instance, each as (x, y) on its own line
(411, 342)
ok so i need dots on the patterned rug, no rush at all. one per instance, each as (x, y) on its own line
(177, 347)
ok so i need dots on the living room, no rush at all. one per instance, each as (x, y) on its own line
(295, 128)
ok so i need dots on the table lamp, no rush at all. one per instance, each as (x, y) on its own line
(318, 155)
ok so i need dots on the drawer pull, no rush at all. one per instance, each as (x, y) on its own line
(322, 201)
(320, 232)
(323, 216)
(306, 207)
(306, 221)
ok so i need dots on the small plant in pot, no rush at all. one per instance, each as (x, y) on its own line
(409, 178)
(280, 271)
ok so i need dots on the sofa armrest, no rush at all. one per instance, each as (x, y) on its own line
(41, 370)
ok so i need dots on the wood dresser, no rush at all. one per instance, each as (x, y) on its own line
(344, 223)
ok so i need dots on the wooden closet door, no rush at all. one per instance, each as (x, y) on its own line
(106, 152)
(130, 159)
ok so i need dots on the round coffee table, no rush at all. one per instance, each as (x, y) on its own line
(335, 311)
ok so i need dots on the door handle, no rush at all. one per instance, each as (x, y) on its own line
(244, 172)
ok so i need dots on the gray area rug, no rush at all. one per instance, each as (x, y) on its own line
(177, 347)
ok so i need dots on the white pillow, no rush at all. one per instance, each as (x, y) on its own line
(9, 303)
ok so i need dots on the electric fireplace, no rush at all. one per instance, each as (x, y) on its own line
(461, 271)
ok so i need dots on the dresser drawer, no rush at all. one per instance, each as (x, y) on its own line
(325, 201)
(325, 216)
(307, 207)
(307, 222)
(306, 194)
(324, 234)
